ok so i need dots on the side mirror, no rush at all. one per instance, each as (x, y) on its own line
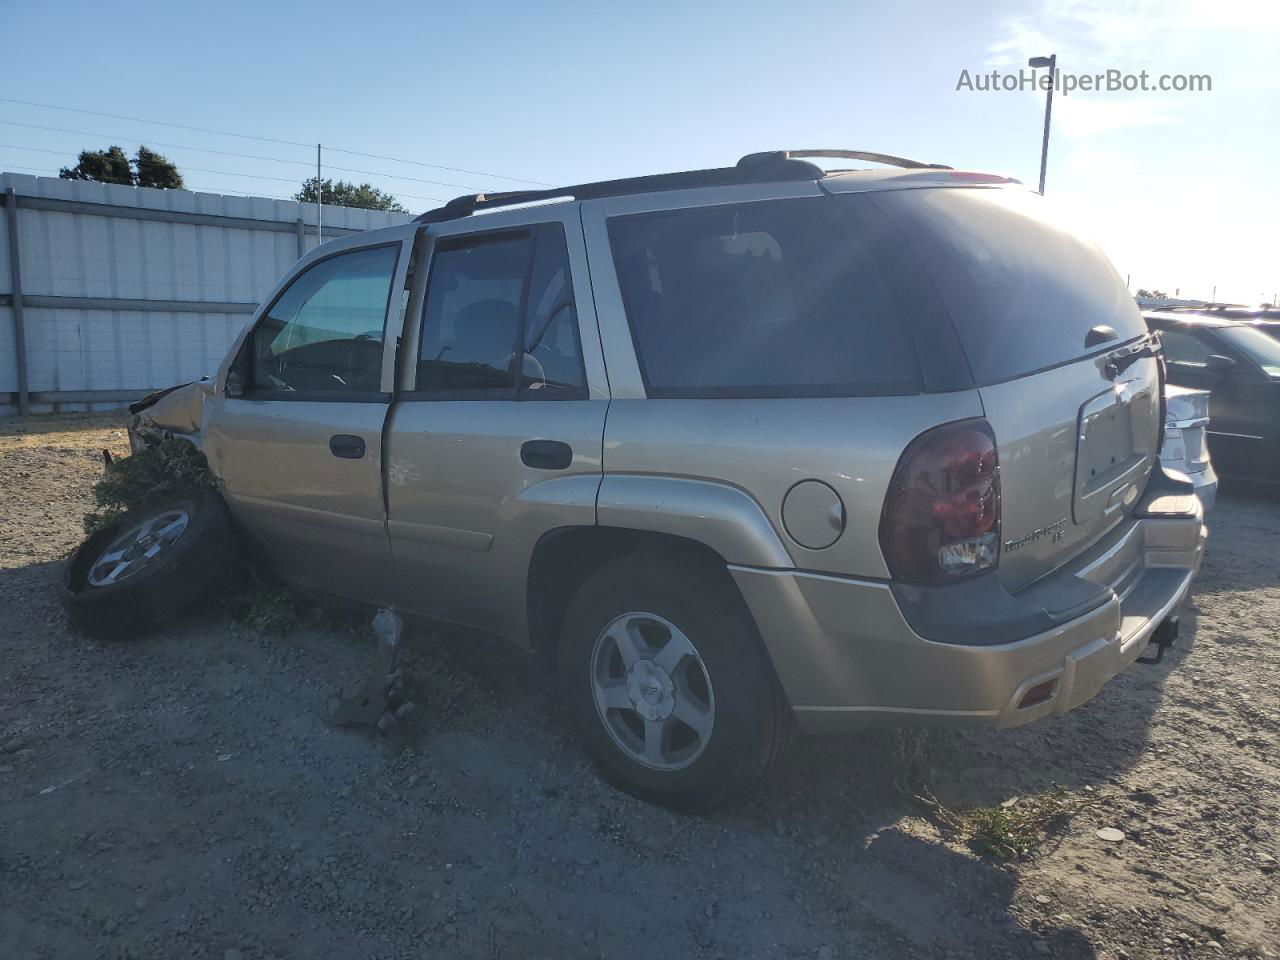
(1217, 363)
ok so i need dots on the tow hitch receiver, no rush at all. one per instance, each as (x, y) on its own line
(1166, 636)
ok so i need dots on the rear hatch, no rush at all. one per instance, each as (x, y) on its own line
(1056, 346)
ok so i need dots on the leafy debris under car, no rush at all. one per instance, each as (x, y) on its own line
(170, 466)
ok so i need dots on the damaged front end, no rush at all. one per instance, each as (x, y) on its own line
(172, 412)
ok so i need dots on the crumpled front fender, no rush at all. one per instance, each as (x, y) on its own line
(173, 412)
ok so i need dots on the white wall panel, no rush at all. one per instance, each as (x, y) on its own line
(82, 254)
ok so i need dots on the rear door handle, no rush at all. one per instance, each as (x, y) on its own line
(346, 446)
(546, 454)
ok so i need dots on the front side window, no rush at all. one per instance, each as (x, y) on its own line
(323, 335)
(499, 320)
(775, 299)
(1256, 345)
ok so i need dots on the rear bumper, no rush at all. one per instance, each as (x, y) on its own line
(848, 658)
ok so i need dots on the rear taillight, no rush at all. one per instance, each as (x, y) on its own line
(941, 518)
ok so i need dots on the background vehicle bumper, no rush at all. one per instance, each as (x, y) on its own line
(1206, 484)
(848, 658)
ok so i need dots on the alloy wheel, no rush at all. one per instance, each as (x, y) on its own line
(137, 547)
(652, 691)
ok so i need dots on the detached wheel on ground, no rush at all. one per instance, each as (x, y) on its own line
(149, 566)
(669, 684)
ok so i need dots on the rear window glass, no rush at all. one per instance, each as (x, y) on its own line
(1021, 287)
(777, 298)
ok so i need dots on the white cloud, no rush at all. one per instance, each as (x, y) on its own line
(1160, 178)
(1232, 40)
(1021, 41)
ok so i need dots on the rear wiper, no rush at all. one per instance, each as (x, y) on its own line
(1119, 365)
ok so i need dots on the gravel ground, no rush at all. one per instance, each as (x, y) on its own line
(180, 796)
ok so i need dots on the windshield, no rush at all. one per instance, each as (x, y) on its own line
(1255, 345)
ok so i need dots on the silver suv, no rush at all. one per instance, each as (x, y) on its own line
(728, 449)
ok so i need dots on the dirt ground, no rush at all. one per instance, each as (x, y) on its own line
(180, 796)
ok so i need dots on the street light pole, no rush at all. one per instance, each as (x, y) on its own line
(1051, 62)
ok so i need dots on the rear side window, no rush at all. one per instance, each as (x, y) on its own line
(1022, 289)
(474, 299)
(489, 293)
(1184, 348)
(771, 299)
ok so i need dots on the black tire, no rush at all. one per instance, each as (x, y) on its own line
(180, 575)
(752, 723)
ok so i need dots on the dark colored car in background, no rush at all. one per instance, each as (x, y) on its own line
(1266, 319)
(1240, 366)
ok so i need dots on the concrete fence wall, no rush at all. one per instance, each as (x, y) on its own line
(108, 292)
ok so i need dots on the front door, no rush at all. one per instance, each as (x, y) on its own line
(498, 435)
(297, 434)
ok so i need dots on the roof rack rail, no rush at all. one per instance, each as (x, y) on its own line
(772, 165)
(466, 205)
(774, 156)
(764, 170)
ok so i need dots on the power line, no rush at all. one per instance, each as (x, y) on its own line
(229, 173)
(186, 186)
(120, 116)
(225, 173)
(40, 171)
(289, 143)
(437, 166)
(398, 176)
(232, 173)
(158, 143)
(471, 188)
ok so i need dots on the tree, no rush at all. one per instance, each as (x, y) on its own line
(343, 194)
(154, 170)
(149, 169)
(105, 166)
(1152, 294)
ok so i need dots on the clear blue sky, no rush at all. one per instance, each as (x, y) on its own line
(1178, 187)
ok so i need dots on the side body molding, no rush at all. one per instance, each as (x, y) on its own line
(714, 514)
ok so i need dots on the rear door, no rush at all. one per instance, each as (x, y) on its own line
(1046, 325)
(497, 436)
(296, 434)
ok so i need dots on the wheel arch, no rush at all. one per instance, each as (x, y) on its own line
(565, 556)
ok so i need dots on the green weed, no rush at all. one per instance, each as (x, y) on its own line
(1015, 829)
(171, 467)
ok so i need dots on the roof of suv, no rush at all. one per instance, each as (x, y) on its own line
(768, 167)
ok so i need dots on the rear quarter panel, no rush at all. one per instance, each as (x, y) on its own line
(764, 447)
(760, 447)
